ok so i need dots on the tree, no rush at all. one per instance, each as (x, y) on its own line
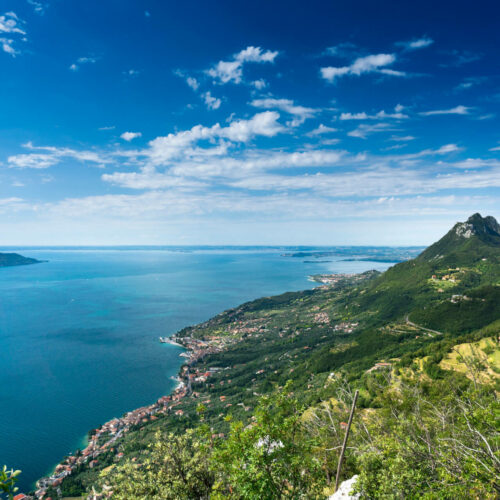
(272, 458)
(8, 479)
(177, 466)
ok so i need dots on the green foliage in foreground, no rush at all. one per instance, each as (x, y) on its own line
(434, 440)
(8, 479)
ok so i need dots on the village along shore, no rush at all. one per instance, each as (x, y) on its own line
(103, 439)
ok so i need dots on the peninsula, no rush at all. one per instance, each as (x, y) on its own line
(15, 259)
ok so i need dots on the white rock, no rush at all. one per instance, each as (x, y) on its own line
(344, 491)
(465, 230)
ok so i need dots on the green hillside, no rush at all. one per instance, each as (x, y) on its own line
(258, 367)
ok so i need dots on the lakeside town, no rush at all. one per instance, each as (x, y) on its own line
(103, 439)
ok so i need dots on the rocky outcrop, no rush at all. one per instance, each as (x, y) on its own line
(344, 491)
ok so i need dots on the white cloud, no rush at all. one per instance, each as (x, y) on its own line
(38, 7)
(7, 46)
(255, 54)
(180, 144)
(227, 71)
(362, 65)
(376, 180)
(188, 172)
(381, 115)
(9, 23)
(447, 148)
(402, 138)
(210, 101)
(259, 84)
(320, 130)
(10, 28)
(457, 110)
(345, 49)
(129, 136)
(364, 130)
(232, 71)
(111, 127)
(192, 82)
(420, 43)
(301, 113)
(149, 178)
(461, 57)
(82, 60)
(52, 156)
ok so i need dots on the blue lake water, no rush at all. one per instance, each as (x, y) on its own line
(79, 334)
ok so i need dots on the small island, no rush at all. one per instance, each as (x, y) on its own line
(14, 259)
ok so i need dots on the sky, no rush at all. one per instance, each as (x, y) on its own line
(222, 122)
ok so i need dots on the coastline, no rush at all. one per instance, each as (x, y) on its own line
(101, 440)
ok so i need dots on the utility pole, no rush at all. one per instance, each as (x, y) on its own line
(345, 439)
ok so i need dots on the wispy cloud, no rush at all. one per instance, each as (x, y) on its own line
(193, 83)
(415, 44)
(404, 138)
(211, 102)
(364, 130)
(82, 60)
(375, 63)
(259, 84)
(469, 82)
(38, 7)
(11, 32)
(131, 73)
(232, 71)
(380, 115)
(300, 113)
(461, 57)
(321, 130)
(344, 49)
(457, 110)
(47, 156)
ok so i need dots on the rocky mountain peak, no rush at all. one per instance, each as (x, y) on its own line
(478, 225)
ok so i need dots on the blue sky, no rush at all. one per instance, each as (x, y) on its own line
(153, 122)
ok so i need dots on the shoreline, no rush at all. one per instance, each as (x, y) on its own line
(101, 439)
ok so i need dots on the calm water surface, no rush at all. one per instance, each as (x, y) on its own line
(79, 334)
